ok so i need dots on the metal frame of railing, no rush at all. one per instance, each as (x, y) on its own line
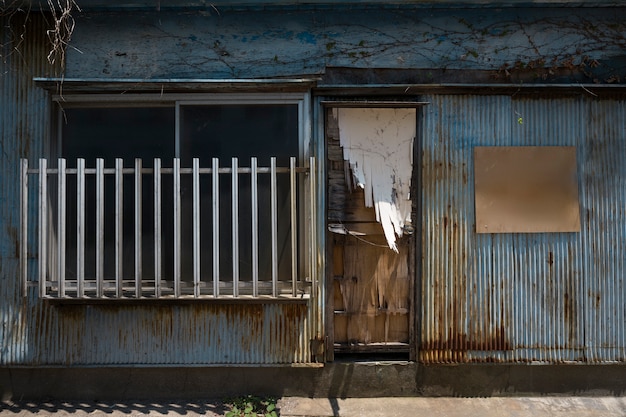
(51, 276)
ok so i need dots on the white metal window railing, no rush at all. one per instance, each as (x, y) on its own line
(47, 201)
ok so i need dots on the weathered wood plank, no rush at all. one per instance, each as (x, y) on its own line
(374, 290)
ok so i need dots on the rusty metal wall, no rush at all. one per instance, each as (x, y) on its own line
(33, 332)
(193, 334)
(515, 298)
(540, 297)
(23, 132)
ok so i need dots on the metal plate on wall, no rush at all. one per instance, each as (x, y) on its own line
(526, 189)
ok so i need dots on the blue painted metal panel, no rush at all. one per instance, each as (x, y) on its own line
(546, 297)
(604, 185)
(23, 133)
(549, 284)
(275, 43)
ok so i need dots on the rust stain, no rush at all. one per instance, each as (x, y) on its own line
(14, 237)
(74, 313)
(457, 345)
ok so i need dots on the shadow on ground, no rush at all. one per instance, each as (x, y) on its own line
(84, 408)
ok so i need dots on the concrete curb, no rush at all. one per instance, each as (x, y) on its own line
(455, 407)
(336, 407)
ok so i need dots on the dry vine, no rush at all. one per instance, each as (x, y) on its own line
(63, 27)
(60, 32)
(8, 9)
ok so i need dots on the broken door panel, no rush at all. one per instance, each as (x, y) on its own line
(372, 284)
(377, 143)
(373, 294)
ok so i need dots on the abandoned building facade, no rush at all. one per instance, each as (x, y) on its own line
(347, 197)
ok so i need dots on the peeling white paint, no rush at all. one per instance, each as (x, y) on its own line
(378, 145)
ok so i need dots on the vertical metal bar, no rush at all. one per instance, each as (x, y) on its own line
(294, 227)
(24, 226)
(80, 227)
(274, 219)
(216, 226)
(119, 227)
(196, 227)
(312, 246)
(138, 219)
(177, 228)
(61, 226)
(255, 226)
(157, 227)
(235, 225)
(99, 227)
(43, 227)
(177, 130)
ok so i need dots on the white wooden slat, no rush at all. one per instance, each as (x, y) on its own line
(99, 227)
(196, 227)
(312, 237)
(43, 227)
(293, 226)
(177, 228)
(274, 225)
(80, 227)
(138, 226)
(235, 224)
(61, 224)
(255, 225)
(119, 226)
(215, 192)
(157, 228)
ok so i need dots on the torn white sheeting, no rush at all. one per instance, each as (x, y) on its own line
(378, 145)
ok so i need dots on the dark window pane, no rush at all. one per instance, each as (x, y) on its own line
(206, 131)
(110, 133)
(241, 131)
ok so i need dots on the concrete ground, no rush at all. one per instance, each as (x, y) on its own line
(543, 406)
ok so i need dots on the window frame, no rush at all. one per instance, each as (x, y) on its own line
(302, 100)
(178, 101)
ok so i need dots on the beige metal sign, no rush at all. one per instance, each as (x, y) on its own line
(526, 189)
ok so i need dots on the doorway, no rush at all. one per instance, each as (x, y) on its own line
(371, 271)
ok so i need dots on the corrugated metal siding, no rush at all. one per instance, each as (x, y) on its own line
(36, 333)
(549, 297)
(604, 188)
(23, 129)
(545, 297)
(195, 334)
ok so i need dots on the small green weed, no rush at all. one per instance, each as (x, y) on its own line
(252, 406)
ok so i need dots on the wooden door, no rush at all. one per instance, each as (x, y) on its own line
(371, 285)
